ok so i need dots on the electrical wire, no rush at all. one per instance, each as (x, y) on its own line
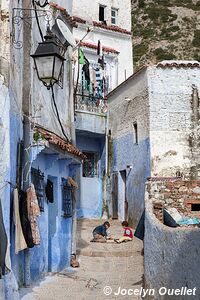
(57, 113)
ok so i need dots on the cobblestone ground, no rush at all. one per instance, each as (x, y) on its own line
(101, 265)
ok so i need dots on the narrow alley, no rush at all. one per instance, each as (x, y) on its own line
(101, 266)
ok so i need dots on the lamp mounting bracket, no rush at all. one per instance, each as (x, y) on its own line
(20, 17)
(42, 5)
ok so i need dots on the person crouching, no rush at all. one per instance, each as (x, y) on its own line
(100, 233)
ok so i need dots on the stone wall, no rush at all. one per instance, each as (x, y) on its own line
(181, 194)
(171, 255)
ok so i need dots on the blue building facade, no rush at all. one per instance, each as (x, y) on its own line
(50, 158)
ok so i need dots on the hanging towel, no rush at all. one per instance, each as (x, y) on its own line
(82, 60)
(33, 213)
(20, 243)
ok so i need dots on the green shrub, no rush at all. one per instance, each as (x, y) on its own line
(196, 39)
(141, 3)
(139, 50)
(162, 54)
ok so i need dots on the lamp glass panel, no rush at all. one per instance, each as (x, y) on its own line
(45, 68)
(57, 68)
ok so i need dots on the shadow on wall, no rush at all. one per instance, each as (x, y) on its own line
(171, 258)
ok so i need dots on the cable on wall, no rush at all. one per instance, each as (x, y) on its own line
(57, 114)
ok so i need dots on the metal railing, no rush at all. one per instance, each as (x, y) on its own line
(90, 103)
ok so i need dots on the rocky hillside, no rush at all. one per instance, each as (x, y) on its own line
(165, 29)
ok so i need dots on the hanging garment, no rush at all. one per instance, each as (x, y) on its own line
(3, 243)
(86, 70)
(99, 49)
(20, 243)
(49, 191)
(82, 60)
(26, 226)
(93, 79)
(33, 213)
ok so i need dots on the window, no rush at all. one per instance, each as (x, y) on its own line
(67, 197)
(135, 128)
(90, 164)
(38, 180)
(195, 207)
(102, 13)
(114, 15)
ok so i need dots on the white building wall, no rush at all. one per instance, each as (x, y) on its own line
(89, 10)
(121, 64)
(41, 98)
(170, 94)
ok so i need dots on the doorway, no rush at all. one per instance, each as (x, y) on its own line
(52, 215)
(125, 202)
(115, 195)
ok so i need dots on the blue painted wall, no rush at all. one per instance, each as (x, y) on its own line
(125, 152)
(53, 254)
(91, 196)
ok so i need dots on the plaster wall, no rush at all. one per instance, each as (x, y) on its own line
(10, 132)
(90, 122)
(122, 114)
(89, 204)
(170, 97)
(53, 254)
(41, 98)
(90, 10)
(171, 256)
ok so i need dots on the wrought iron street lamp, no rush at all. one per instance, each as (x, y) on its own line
(48, 61)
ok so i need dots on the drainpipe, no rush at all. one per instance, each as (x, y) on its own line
(71, 97)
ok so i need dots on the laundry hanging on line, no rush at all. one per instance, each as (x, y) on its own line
(20, 243)
(33, 213)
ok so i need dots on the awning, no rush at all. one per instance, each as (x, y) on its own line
(55, 139)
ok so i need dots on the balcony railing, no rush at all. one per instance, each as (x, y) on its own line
(90, 103)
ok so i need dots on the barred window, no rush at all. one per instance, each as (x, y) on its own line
(67, 197)
(37, 178)
(90, 164)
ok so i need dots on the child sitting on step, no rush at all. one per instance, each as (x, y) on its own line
(128, 234)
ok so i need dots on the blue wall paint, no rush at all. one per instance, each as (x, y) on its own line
(90, 195)
(125, 152)
(55, 250)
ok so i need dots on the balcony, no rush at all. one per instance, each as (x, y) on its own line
(90, 114)
(90, 103)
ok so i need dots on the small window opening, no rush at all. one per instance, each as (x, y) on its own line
(90, 164)
(101, 13)
(135, 128)
(114, 14)
(195, 207)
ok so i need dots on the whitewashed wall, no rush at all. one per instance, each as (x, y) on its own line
(89, 10)
(170, 94)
